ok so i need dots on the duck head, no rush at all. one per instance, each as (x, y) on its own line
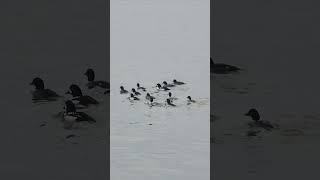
(189, 97)
(170, 94)
(75, 90)
(70, 107)
(90, 74)
(38, 83)
(254, 114)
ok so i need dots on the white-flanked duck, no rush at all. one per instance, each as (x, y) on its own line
(169, 102)
(84, 100)
(140, 87)
(171, 97)
(133, 98)
(165, 84)
(159, 87)
(41, 93)
(135, 92)
(190, 100)
(92, 83)
(148, 96)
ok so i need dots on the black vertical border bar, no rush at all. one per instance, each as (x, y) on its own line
(212, 51)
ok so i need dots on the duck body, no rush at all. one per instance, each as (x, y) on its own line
(133, 98)
(135, 92)
(123, 91)
(40, 93)
(140, 87)
(253, 113)
(190, 100)
(175, 82)
(165, 84)
(78, 97)
(148, 97)
(220, 68)
(169, 102)
(159, 87)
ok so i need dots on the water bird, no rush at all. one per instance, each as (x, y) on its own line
(254, 114)
(170, 96)
(84, 100)
(132, 97)
(123, 91)
(148, 96)
(165, 84)
(170, 103)
(92, 83)
(71, 115)
(41, 93)
(219, 68)
(140, 87)
(175, 82)
(190, 100)
(135, 92)
(163, 88)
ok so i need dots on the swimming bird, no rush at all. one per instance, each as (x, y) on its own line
(254, 114)
(148, 96)
(175, 82)
(165, 84)
(140, 87)
(71, 115)
(133, 98)
(92, 83)
(170, 96)
(123, 91)
(163, 88)
(190, 100)
(170, 103)
(84, 100)
(41, 93)
(219, 68)
(135, 92)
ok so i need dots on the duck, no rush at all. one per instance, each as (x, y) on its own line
(133, 98)
(92, 83)
(71, 115)
(169, 102)
(148, 96)
(175, 82)
(123, 91)
(165, 84)
(190, 100)
(41, 93)
(219, 68)
(170, 96)
(163, 88)
(254, 114)
(84, 100)
(140, 87)
(135, 92)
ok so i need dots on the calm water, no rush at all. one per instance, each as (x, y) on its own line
(153, 41)
(281, 64)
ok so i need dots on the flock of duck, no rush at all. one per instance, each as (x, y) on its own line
(257, 125)
(134, 94)
(70, 115)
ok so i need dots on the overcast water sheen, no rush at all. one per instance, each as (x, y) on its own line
(155, 41)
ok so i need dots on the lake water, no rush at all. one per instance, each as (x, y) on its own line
(155, 41)
(280, 59)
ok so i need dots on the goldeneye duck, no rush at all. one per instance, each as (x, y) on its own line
(71, 115)
(92, 83)
(190, 100)
(148, 96)
(165, 84)
(132, 97)
(175, 82)
(170, 96)
(253, 113)
(164, 88)
(140, 87)
(170, 103)
(41, 93)
(220, 68)
(122, 90)
(76, 92)
(135, 92)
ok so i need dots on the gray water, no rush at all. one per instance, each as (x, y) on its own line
(151, 42)
(57, 44)
(275, 42)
